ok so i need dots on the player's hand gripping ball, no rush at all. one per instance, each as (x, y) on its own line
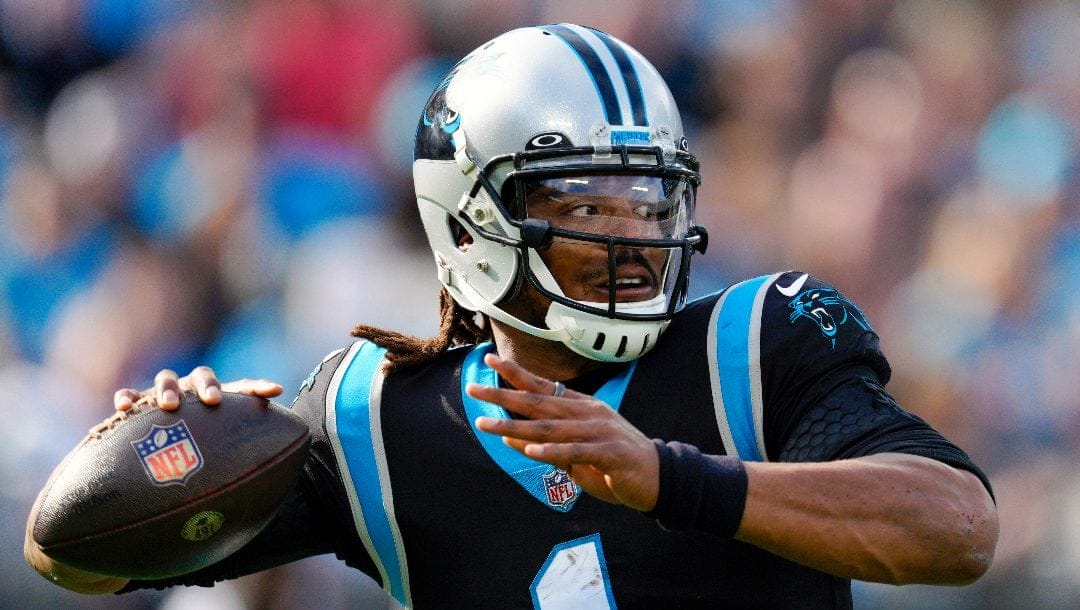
(152, 494)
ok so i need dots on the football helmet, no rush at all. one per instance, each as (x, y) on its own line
(555, 155)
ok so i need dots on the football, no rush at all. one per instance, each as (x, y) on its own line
(152, 494)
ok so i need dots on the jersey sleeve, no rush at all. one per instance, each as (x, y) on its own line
(315, 517)
(823, 383)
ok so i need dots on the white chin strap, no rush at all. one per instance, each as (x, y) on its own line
(473, 300)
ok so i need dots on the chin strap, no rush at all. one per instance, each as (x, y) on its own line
(551, 334)
(478, 303)
(600, 338)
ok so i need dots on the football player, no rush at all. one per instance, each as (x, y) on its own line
(578, 435)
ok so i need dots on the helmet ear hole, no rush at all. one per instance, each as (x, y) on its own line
(460, 234)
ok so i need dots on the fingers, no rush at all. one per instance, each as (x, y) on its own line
(522, 379)
(205, 384)
(605, 454)
(559, 442)
(202, 381)
(124, 399)
(543, 430)
(167, 390)
(535, 396)
(254, 387)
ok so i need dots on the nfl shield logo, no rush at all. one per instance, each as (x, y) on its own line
(169, 454)
(561, 490)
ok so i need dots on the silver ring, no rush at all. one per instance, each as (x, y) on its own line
(560, 389)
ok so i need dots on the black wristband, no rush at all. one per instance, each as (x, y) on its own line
(697, 491)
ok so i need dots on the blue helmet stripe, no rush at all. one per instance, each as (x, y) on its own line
(604, 87)
(630, 77)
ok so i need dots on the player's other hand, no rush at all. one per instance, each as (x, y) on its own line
(600, 450)
(202, 381)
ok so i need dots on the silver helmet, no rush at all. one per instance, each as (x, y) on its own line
(555, 155)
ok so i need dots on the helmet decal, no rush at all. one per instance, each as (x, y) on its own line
(551, 139)
(602, 79)
(437, 124)
(629, 137)
(630, 76)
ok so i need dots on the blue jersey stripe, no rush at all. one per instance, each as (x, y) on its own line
(359, 432)
(604, 87)
(735, 363)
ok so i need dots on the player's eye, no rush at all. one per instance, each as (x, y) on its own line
(584, 209)
(651, 211)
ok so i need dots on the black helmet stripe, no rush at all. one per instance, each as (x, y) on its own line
(596, 69)
(630, 77)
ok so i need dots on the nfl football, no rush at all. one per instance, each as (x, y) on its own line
(152, 494)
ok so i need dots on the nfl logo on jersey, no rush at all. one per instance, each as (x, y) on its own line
(561, 490)
(169, 454)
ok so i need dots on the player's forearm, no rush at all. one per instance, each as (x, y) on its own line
(887, 518)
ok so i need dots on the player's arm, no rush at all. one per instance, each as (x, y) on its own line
(889, 517)
(876, 493)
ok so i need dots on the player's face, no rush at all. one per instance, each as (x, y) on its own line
(635, 207)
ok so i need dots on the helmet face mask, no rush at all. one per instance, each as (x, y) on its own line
(516, 147)
(617, 239)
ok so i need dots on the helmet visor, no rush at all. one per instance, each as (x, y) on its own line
(612, 205)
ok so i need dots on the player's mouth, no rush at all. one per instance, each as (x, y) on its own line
(632, 283)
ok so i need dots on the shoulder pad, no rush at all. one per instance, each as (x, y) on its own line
(312, 393)
(812, 326)
(773, 337)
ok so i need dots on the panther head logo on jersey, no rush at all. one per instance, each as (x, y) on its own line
(828, 309)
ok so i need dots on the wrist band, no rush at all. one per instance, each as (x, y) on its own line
(698, 491)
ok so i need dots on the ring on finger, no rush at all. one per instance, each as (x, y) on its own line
(560, 389)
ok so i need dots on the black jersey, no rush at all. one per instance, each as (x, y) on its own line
(401, 485)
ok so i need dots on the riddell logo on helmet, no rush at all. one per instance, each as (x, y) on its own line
(169, 454)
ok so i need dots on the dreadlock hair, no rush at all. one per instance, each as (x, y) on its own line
(457, 326)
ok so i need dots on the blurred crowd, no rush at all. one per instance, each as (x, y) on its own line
(228, 183)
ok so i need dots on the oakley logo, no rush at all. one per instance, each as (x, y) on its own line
(546, 140)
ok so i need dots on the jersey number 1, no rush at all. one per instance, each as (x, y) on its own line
(574, 576)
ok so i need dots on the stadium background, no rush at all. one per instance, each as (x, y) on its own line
(228, 183)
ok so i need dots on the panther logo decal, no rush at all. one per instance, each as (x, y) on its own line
(438, 114)
(827, 308)
(440, 121)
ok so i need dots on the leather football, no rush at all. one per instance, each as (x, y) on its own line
(152, 494)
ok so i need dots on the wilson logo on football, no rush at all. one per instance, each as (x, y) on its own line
(169, 454)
